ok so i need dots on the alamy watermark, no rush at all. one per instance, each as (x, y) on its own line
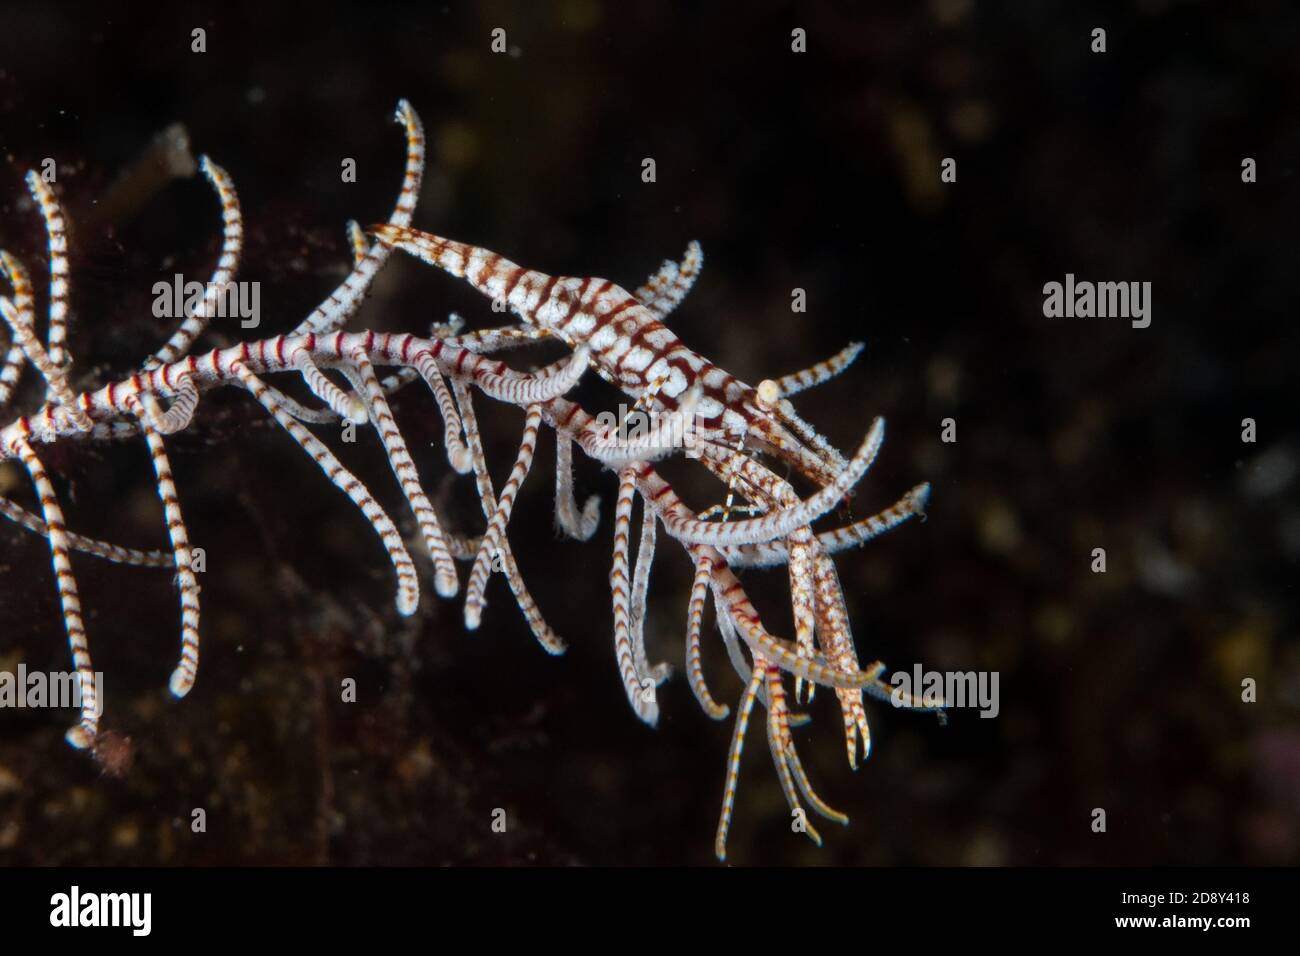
(1103, 300)
(650, 431)
(133, 911)
(41, 689)
(230, 300)
(947, 689)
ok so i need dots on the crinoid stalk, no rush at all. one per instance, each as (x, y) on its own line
(731, 428)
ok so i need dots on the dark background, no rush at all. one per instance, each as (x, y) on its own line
(816, 170)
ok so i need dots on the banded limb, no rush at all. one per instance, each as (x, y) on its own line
(57, 232)
(640, 589)
(185, 400)
(836, 641)
(666, 289)
(11, 370)
(343, 302)
(730, 600)
(819, 577)
(816, 597)
(766, 677)
(789, 769)
(607, 446)
(551, 642)
(507, 385)
(399, 459)
(694, 616)
(787, 416)
(83, 734)
(457, 454)
(771, 395)
(500, 517)
(568, 418)
(743, 710)
(408, 582)
(100, 549)
(531, 388)
(500, 339)
(182, 678)
(727, 507)
(815, 374)
(367, 258)
(438, 330)
(578, 526)
(406, 375)
(232, 246)
(341, 404)
(308, 416)
(779, 524)
(773, 492)
(770, 554)
(733, 644)
(639, 687)
(19, 313)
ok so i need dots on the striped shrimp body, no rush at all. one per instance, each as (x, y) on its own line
(630, 347)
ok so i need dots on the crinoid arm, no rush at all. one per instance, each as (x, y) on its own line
(713, 422)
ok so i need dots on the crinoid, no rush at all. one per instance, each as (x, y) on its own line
(702, 412)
